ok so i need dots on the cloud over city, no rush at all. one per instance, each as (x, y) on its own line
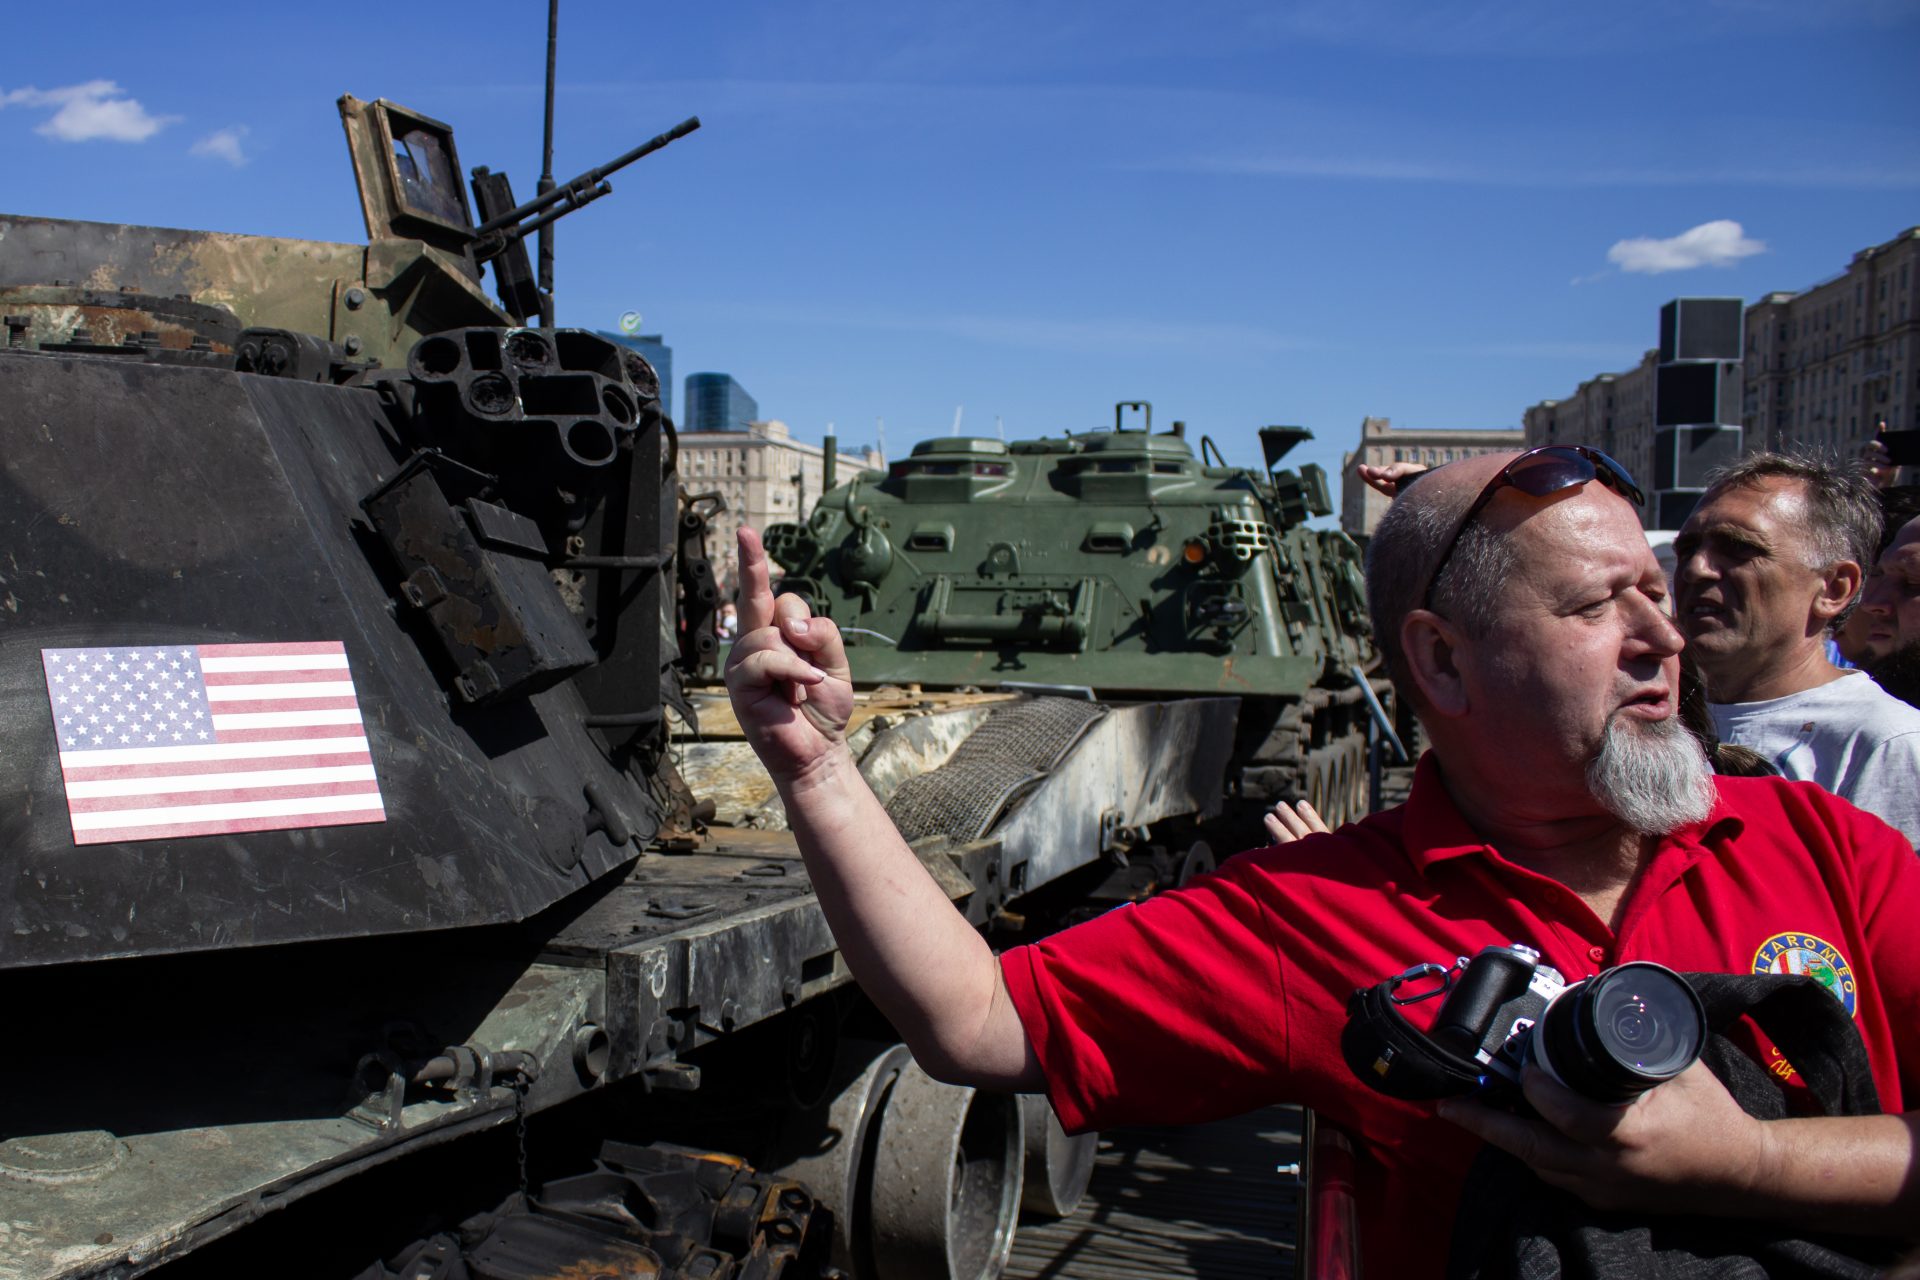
(1720, 243)
(223, 144)
(94, 110)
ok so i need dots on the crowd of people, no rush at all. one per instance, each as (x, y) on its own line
(1620, 768)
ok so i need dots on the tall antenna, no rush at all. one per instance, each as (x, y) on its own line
(957, 411)
(546, 183)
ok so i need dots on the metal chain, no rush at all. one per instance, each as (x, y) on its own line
(520, 1086)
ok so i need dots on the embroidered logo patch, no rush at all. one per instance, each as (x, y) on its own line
(1810, 955)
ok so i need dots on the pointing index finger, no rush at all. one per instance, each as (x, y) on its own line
(755, 605)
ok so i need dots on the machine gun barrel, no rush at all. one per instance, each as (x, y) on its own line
(552, 216)
(578, 190)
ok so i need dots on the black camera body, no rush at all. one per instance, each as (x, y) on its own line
(1609, 1038)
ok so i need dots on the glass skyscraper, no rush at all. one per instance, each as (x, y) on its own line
(715, 402)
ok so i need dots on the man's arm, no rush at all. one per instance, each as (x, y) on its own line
(1687, 1147)
(912, 952)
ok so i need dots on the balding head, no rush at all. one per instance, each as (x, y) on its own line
(1411, 538)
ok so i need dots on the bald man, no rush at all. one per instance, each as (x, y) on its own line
(1562, 805)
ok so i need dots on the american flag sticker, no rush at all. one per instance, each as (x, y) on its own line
(158, 742)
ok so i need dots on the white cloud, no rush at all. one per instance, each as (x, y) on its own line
(223, 144)
(1711, 244)
(85, 112)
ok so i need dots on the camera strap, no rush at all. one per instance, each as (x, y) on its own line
(1389, 1053)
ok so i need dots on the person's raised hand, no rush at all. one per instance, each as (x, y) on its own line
(1683, 1146)
(787, 675)
(1289, 822)
(1877, 461)
(1386, 479)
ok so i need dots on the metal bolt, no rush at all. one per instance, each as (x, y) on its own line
(353, 344)
(356, 298)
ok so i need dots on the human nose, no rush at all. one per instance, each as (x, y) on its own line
(1654, 629)
(1693, 567)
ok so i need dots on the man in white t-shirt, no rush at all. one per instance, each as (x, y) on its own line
(1769, 565)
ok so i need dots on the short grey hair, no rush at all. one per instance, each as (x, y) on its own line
(1843, 508)
(1400, 558)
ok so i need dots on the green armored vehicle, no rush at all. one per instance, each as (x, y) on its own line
(1122, 567)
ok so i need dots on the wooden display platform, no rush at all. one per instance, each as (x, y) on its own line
(1198, 1200)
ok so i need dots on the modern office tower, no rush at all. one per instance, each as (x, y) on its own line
(657, 353)
(1696, 404)
(715, 402)
(1668, 420)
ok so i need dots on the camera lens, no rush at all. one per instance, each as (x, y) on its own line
(1628, 1023)
(1617, 1035)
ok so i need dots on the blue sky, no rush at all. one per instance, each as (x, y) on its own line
(1244, 213)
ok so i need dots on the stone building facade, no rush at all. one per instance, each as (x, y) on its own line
(765, 476)
(1826, 365)
(1820, 369)
(1613, 412)
(1381, 443)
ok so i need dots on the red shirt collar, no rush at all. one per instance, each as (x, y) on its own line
(1432, 829)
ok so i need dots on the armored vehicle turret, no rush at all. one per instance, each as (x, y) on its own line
(1121, 564)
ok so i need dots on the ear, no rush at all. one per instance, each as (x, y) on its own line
(1838, 586)
(1431, 644)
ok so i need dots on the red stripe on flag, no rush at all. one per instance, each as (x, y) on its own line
(275, 677)
(173, 799)
(292, 733)
(113, 772)
(251, 706)
(281, 649)
(232, 826)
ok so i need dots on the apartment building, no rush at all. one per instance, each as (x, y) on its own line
(1819, 370)
(1826, 365)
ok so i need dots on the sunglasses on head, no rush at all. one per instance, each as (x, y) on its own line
(1539, 473)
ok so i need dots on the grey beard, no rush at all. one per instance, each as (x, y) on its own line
(1654, 778)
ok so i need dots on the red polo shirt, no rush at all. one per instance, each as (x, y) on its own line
(1230, 994)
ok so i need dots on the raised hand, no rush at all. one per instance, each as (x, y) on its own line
(787, 675)
(1877, 461)
(1388, 477)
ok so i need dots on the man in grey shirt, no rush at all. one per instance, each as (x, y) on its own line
(1769, 564)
